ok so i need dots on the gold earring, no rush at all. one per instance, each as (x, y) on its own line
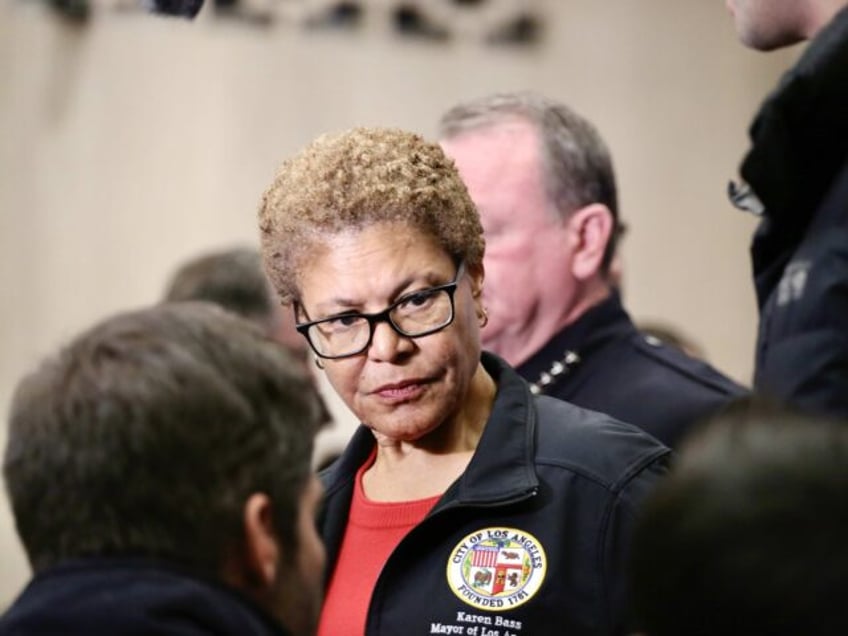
(484, 317)
(318, 363)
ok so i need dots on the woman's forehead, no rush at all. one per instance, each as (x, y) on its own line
(381, 261)
(381, 244)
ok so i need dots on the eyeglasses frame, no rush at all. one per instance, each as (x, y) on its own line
(385, 316)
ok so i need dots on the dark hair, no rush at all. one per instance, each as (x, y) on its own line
(233, 279)
(577, 165)
(747, 535)
(148, 432)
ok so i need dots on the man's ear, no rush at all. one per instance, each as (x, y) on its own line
(589, 231)
(261, 546)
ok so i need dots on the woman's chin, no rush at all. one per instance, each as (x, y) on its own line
(387, 433)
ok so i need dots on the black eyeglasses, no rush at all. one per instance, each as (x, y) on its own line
(414, 315)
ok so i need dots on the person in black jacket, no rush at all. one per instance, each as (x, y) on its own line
(158, 469)
(464, 504)
(746, 536)
(543, 181)
(796, 176)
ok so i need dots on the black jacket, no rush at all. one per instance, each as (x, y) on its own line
(96, 597)
(633, 377)
(798, 168)
(530, 540)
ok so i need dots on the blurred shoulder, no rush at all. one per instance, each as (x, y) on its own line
(670, 365)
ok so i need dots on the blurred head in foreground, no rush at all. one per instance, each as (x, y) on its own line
(175, 436)
(747, 535)
(234, 279)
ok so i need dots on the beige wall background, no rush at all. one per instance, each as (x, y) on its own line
(134, 142)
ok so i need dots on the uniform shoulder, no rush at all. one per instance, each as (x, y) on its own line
(671, 361)
(593, 444)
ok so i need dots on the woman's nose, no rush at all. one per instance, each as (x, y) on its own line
(387, 343)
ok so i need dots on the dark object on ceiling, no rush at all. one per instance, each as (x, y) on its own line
(409, 21)
(341, 15)
(77, 11)
(178, 8)
(525, 28)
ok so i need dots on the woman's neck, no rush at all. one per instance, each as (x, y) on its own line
(409, 470)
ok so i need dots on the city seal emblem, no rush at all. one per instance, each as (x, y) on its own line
(497, 569)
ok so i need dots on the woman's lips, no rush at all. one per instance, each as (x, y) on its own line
(400, 391)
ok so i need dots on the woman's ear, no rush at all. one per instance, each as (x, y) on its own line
(476, 274)
(589, 231)
(297, 312)
(261, 544)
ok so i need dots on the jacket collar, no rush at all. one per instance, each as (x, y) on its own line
(502, 468)
(608, 319)
(133, 596)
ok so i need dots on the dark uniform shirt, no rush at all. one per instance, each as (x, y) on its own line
(602, 362)
(131, 597)
(531, 540)
(798, 169)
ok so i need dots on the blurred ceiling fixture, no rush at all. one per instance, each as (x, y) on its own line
(490, 21)
(338, 15)
(178, 8)
(524, 28)
(320, 13)
(254, 12)
(493, 21)
(75, 11)
(411, 21)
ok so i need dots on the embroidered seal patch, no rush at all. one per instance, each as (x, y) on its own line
(497, 568)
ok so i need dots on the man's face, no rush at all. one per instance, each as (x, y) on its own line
(768, 24)
(528, 289)
(300, 585)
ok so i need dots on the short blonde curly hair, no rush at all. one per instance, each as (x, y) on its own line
(357, 179)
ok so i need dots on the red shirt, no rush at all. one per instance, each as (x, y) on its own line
(373, 530)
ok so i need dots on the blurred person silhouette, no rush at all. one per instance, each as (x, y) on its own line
(795, 176)
(766, 25)
(158, 469)
(234, 279)
(543, 182)
(463, 500)
(746, 536)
